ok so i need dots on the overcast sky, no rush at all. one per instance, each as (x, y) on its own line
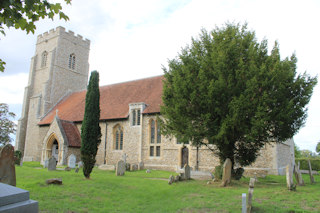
(133, 39)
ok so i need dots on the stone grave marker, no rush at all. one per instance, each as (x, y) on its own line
(148, 171)
(226, 174)
(76, 170)
(186, 170)
(289, 178)
(46, 163)
(52, 164)
(310, 173)
(298, 175)
(13, 199)
(250, 194)
(171, 180)
(80, 164)
(127, 166)
(120, 168)
(140, 166)
(7, 165)
(72, 161)
(133, 167)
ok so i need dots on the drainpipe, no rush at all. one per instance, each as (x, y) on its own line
(105, 144)
(197, 163)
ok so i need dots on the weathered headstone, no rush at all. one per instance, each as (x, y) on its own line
(80, 164)
(186, 170)
(7, 167)
(250, 194)
(52, 164)
(133, 167)
(298, 175)
(310, 173)
(72, 161)
(140, 166)
(127, 166)
(171, 180)
(148, 171)
(226, 174)
(76, 170)
(120, 168)
(67, 169)
(177, 178)
(289, 178)
(46, 163)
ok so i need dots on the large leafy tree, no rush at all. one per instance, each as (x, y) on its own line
(226, 89)
(22, 14)
(90, 130)
(318, 148)
(7, 126)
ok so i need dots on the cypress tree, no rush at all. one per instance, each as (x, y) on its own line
(90, 130)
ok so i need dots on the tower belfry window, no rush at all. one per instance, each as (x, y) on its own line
(44, 57)
(72, 61)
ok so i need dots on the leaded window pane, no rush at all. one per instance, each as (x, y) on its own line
(138, 117)
(152, 131)
(158, 133)
(151, 151)
(133, 117)
(158, 151)
(121, 140)
(117, 140)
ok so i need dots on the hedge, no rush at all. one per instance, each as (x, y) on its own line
(315, 163)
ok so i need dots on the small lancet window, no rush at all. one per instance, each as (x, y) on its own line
(118, 140)
(72, 61)
(44, 57)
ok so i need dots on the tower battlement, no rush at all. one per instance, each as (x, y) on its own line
(61, 31)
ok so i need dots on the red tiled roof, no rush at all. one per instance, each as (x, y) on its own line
(114, 100)
(72, 133)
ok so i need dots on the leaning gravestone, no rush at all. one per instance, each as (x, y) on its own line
(52, 164)
(250, 194)
(120, 168)
(289, 177)
(7, 168)
(171, 180)
(226, 174)
(72, 161)
(310, 173)
(46, 163)
(13, 199)
(186, 170)
(298, 175)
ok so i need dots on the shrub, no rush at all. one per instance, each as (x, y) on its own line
(315, 163)
(237, 173)
(218, 172)
(17, 156)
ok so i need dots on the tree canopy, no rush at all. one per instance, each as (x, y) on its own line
(22, 14)
(225, 89)
(7, 126)
(90, 129)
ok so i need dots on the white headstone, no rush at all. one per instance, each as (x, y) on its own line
(72, 161)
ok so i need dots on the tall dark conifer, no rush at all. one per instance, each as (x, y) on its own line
(90, 130)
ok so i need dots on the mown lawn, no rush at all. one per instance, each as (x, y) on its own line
(149, 192)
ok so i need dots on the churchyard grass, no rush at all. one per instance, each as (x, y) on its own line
(150, 192)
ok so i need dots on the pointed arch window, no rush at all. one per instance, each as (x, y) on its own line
(44, 57)
(118, 137)
(155, 138)
(72, 61)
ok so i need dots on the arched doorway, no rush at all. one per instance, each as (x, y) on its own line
(52, 148)
(184, 156)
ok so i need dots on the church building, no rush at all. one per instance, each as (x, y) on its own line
(53, 109)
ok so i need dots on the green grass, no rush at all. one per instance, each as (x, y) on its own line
(149, 192)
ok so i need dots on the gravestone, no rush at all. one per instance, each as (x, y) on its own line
(177, 178)
(133, 167)
(226, 174)
(7, 165)
(13, 199)
(46, 163)
(127, 166)
(171, 180)
(298, 175)
(310, 173)
(80, 164)
(68, 169)
(72, 161)
(120, 168)
(76, 170)
(52, 164)
(57, 181)
(140, 166)
(186, 170)
(289, 178)
(148, 171)
(250, 194)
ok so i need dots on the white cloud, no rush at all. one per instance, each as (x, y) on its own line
(12, 88)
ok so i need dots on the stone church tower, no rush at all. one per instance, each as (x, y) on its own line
(60, 66)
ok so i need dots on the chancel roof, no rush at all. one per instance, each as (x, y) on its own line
(72, 133)
(114, 101)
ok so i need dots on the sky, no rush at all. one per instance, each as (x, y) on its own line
(134, 39)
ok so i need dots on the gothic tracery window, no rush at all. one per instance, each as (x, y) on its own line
(155, 138)
(118, 137)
